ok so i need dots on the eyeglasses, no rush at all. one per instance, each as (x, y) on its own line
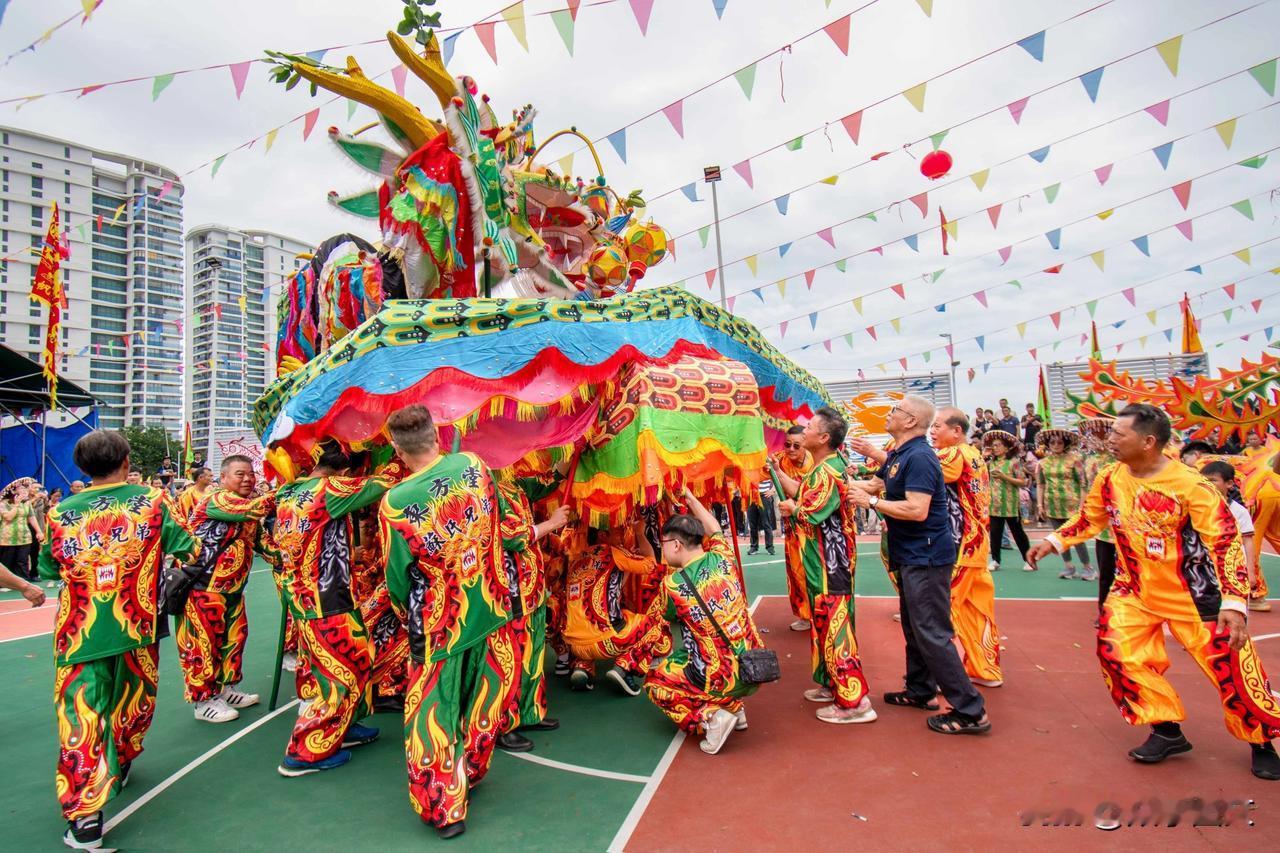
(665, 541)
(792, 446)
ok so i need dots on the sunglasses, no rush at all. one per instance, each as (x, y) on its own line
(792, 446)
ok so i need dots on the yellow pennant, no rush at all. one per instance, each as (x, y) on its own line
(1022, 330)
(980, 179)
(951, 228)
(926, 6)
(514, 16)
(1099, 258)
(1104, 214)
(896, 322)
(857, 304)
(1169, 51)
(1151, 315)
(831, 180)
(1226, 131)
(751, 264)
(1243, 255)
(271, 139)
(782, 287)
(566, 165)
(915, 96)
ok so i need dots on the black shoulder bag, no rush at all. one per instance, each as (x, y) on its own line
(755, 666)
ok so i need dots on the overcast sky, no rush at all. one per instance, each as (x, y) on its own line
(617, 75)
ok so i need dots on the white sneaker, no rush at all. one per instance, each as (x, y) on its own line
(800, 625)
(1027, 567)
(896, 617)
(863, 713)
(215, 711)
(718, 729)
(993, 566)
(235, 699)
(986, 682)
(741, 724)
(289, 663)
(819, 694)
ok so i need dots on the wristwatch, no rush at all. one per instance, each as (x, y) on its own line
(874, 501)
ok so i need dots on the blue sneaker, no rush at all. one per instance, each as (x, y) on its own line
(293, 767)
(358, 735)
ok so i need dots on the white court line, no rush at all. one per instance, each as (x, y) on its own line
(26, 637)
(623, 835)
(575, 768)
(159, 789)
(29, 609)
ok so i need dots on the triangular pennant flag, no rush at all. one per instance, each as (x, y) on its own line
(912, 241)
(982, 345)
(642, 9)
(217, 164)
(1103, 214)
(841, 264)
(352, 106)
(926, 6)
(830, 181)
(935, 275)
(941, 308)
(1022, 331)
(927, 353)
(915, 96)
(1051, 192)
(1226, 131)
(993, 213)
(159, 84)
(1257, 305)
(981, 296)
(1184, 228)
(782, 288)
(759, 292)
(853, 125)
(271, 138)
(1160, 112)
(744, 171)
(399, 75)
(1004, 254)
(782, 328)
(1054, 237)
(903, 362)
(711, 278)
(900, 290)
(848, 339)
(783, 249)
(566, 168)
(746, 78)
(703, 232)
(752, 262)
(1230, 290)
(514, 16)
(871, 330)
(1243, 256)
(921, 201)
(980, 179)
(795, 144)
(729, 303)
(1244, 208)
(675, 115)
(1168, 334)
(1034, 45)
(1099, 258)
(309, 123)
(1151, 315)
(1227, 314)
(952, 229)
(1016, 108)
(896, 322)
(1141, 243)
(1056, 317)
(827, 237)
(1182, 192)
(1103, 172)
(1162, 153)
(1091, 80)
(813, 319)
(1254, 162)
(1169, 51)
(782, 201)
(1196, 269)
(563, 19)
(839, 32)
(827, 344)
(972, 373)
(485, 32)
(451, 42)
(1092, 306)
(1128, 294)
(937, 138)
(808, 278)
(1265, 74)
(1039, 154)
(719, 7)
(239, 74)
(690, 191)
(857, 304)
(618, 139)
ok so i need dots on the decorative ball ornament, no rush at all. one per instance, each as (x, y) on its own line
(646, 244)
(935, 165)
(608, 266)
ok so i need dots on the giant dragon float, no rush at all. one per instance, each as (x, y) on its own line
(502, 295)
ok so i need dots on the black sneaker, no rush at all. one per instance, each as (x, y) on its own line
(514, 742)
(752, 550)
(125, 767)
(1266, 764)
(1158, 748)
(628, 682)
(581, 680)
(451, 830)
(546, 724)
(562, 665)
(770, 551)
(84, 833)
(393, 704)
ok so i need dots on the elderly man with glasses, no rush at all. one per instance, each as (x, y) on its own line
(922, 550)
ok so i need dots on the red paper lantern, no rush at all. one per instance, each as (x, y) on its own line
(935, 165)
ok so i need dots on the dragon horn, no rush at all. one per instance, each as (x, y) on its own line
(429, 67)
(354, 85)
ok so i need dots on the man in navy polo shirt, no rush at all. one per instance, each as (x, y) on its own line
(923, 550)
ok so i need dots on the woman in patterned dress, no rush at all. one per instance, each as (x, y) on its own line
(1060, 486)
(1007, 478)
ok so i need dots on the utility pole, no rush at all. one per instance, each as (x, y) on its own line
(711, 175)
(951, 357)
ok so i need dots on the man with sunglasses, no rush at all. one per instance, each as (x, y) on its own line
(922, 550)
(824, 522)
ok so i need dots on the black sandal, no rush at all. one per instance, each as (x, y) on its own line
(906, 700)
(953, 723)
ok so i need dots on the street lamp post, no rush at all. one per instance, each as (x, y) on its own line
(711, 175)
(951, 357)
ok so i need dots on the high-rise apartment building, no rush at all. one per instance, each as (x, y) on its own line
(122, 218)
(234, 280)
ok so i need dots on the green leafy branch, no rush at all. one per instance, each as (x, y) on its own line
(282, 68)
(418, 21)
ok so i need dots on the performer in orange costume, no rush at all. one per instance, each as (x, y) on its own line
(1179, 564)
(794, 462)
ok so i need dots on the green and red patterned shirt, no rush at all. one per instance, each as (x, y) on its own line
(1060, 480)
(230, 531)
(825, 525)
(1004, 495)
(107, 544)
(313, 533)
(443, 555)
(523, 559)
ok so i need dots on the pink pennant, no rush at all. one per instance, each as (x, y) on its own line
(921, 201)
(671, 248)
(1004, 254)
(730, 302)
(951, 352)
(1084, 338)
(981, 296)
(1016, 108)
(1056, 317)
(1160, 112)
(1118, 348)
(827, 344)
(871, 330)
(398, 75)
(1230, 289)
(839, 32)
(853, 125)
(1184, 228)
(879, 250)
(642, 9)
(1103, 173)
(827, 236)
(675, 115)
(993, 213)
(711, 278)
(1033, 353)
(903, 362)
(900, 290)
(1257, 305)
(1128, 294)
(484, 32)
(782, 328)
(744, 170)
(165, 190)
(89, 90)
(1183, 193)
(239, 74)
(808, 278)
(309, 123)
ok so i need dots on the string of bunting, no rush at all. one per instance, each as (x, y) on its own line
(87, 8)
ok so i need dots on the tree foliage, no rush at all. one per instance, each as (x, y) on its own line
(148, 447)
